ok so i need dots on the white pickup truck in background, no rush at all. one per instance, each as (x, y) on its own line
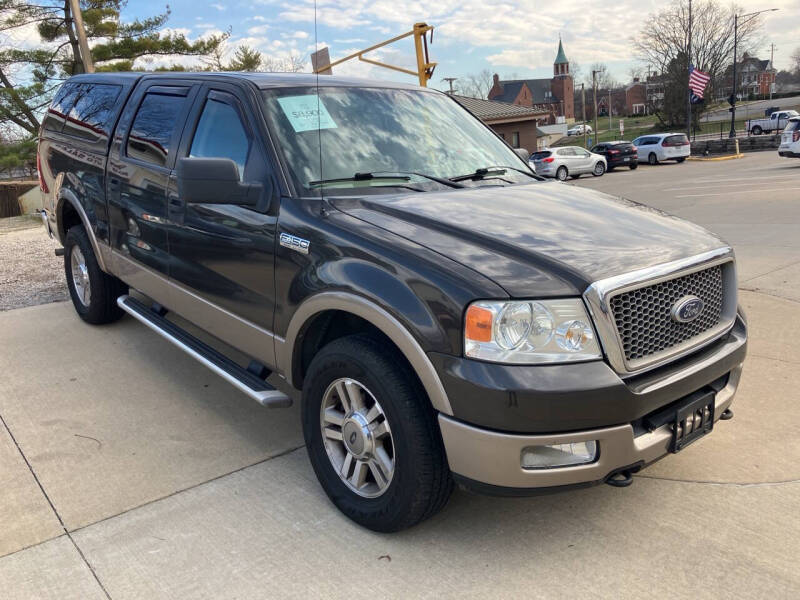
(776, 122)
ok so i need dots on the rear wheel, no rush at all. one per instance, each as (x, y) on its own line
(757, 130)
(652, 158)
(681, 159)
(599, 169)
(634, 166)
(562, 173)
(372, 436)
(94, 293)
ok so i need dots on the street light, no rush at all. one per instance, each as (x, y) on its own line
(751, 15)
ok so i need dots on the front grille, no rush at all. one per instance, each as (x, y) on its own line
(643, 318)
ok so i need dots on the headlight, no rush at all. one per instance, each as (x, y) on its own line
(530, 331)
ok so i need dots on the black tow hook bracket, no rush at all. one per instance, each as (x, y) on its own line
(59, 251)
(620, 479)
(726, 415)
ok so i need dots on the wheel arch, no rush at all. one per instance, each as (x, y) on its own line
(309, 320)
(70, 212)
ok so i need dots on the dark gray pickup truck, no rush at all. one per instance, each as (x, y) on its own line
(448, 316)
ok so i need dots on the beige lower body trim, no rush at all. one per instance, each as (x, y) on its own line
(239, 333)
(494, 458)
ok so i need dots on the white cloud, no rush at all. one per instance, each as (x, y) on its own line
(218, 6)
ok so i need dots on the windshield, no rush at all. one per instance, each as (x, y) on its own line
(343, 133)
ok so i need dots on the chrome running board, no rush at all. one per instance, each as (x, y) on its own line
(246, 381)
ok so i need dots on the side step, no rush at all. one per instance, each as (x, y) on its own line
(252, 385)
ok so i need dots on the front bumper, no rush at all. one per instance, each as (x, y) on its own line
(491, 459)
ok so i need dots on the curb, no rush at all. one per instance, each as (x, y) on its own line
(726, 157)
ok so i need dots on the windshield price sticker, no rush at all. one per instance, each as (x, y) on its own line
(306, 112)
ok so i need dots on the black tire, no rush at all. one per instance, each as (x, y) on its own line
(599, 169)
(421, 482)
(634, 166)
(681, 159)
(757, 130)
(561, 173)
(652, 158)
(102, 304)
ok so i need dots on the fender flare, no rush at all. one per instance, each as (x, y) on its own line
(65, 196)
(377, 316)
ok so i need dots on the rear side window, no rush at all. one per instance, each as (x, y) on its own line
(599, 149)
(566, 152)
(221, 134)
(92, 114)
(60, 107)
(793, 125)
(153, 127)
(675, 140)
(541, 155)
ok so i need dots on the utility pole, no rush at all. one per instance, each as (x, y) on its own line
(688, 76)
(583, 110)
(77, 18)
(594, 91)
(771, 75)
(450, 80)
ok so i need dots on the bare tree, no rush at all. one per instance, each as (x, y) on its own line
(477, 85)
(665, 35)
(605, 80)
(291, 63)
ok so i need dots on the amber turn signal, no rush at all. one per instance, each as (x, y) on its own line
(479, 324)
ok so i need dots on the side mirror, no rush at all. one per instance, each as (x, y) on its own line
(523, 153)
(214, 181)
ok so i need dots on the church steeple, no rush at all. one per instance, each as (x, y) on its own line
(561, 64)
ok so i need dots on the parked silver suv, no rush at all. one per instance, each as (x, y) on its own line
(568, 161)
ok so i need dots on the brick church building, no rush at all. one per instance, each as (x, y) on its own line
(555, 95)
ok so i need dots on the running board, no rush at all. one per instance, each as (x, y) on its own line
(252, 385)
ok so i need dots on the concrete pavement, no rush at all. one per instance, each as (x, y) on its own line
(130, 471)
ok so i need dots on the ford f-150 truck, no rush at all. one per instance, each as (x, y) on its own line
(776, 122)
(445, 315)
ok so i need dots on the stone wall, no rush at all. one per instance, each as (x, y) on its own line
(754, 143)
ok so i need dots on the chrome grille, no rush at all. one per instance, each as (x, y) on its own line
(643, 320)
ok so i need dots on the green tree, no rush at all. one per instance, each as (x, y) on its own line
(29, 77)
(245, 59)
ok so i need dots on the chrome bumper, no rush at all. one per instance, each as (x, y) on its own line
(493, 458)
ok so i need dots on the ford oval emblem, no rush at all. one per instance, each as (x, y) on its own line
(687, 309)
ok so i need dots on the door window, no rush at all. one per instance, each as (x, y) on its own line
(566, 152)
(220, 133)
(90, 116)
(153, 127)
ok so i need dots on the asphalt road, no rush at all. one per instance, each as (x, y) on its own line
(130, 471)
(752, 110)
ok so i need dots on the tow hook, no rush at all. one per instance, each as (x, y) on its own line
(620, 479)
(726, 415)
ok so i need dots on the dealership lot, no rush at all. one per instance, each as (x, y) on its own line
(130, 471)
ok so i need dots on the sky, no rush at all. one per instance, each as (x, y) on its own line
(509, 37)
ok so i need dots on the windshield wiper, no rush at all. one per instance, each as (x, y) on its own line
(386, 176)
(493, 171)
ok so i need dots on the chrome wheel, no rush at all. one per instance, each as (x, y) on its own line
(357, 437)
(599, 169)
(80, 276)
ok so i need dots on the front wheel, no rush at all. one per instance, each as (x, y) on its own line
(372, 436)
(599, 169)
(94, 293)
(562, 173)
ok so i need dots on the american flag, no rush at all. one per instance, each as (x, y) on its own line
(697, 83)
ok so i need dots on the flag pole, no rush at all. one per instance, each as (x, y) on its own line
(688, 75)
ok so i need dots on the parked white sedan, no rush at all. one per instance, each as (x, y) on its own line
(656, 147)
(567, 161)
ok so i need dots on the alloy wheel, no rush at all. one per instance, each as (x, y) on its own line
(357, 437)
(80, 276)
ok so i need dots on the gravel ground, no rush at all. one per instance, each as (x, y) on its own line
(30, 273)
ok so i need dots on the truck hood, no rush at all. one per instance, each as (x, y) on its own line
(538, 239)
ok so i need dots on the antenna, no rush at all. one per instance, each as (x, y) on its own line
(450, 80)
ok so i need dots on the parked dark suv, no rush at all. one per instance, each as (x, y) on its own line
(618, 154)
(446, 314)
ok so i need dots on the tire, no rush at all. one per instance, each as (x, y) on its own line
(681, 159)
(634, 166)
(757, 130)
(599, 169)
(561, 173)
(94, 293)
(652, 159)
(419, 482)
